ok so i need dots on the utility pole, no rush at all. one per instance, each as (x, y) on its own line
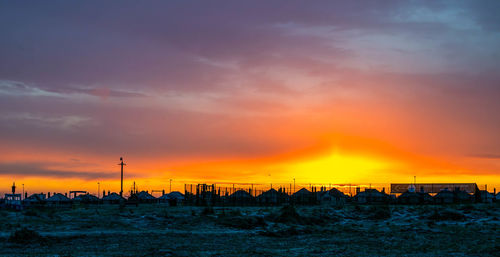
(121, 182)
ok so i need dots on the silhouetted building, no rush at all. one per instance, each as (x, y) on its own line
(303, 196)
(433, 188)
(112, 198)
(415, 198)
(333, 197)
(461, 196)
(145, 197)
(272, 197)
(13, 201)
(164, 199)
(175, 198)
(241, 197)
(445, 196)
(86, 199)
(58, 200)
(35, 200)
(484, 196)
(372, 196)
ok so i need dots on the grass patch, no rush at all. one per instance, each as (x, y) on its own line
(379, 212)
(242, 222)
(447, 214)
(288, 214)
(25, 236)
(207, 211)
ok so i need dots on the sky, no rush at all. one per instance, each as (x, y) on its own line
(326, 92)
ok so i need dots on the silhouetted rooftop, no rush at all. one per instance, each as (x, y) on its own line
(58, 198)
(176, 195)
(302, 191)
(143, 195)
(112, 197)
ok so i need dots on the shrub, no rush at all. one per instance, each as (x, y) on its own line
(207, 211)
(287, 232)
(288, 214)
(31, 213)
(468, 207)
(235, 212)
(25, 236)
(447, 214)
(163, 214)
(379, 212)
(242, 222)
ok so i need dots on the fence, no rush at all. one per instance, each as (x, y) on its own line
(257, 194)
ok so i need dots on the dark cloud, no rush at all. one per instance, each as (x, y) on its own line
(139, 131)
(159, 44)
(20, 88)
(30, 169)
(100, 92)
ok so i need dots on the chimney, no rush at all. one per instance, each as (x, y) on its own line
(48, 194)
(25, 195)
(163, 192)
(66, 194)
(383, 190)
(103, 193)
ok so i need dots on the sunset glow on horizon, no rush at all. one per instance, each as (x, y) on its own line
(248, 93)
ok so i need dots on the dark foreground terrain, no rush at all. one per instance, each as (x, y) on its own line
(156, 230)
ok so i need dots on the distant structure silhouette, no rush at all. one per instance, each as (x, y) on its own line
(121, 181)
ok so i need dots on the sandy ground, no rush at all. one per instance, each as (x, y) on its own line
(157, 230)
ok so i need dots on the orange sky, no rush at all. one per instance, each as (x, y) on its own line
(335, 159)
